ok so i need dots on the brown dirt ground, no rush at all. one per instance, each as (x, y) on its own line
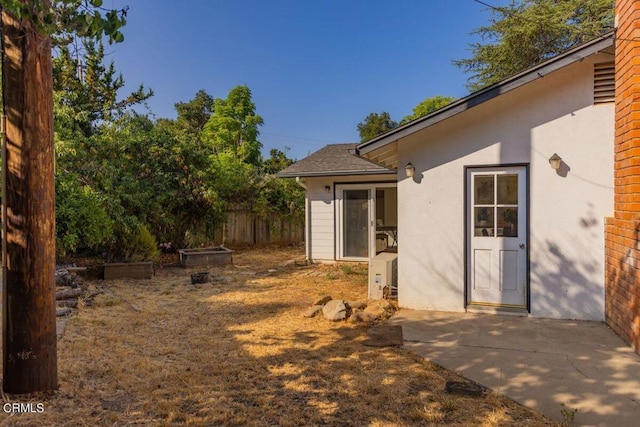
(165, 352)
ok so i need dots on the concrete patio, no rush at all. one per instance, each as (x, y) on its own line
(541, 363)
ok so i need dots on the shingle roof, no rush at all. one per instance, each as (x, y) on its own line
(334, 159)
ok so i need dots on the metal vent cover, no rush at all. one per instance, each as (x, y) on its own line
(604, 82)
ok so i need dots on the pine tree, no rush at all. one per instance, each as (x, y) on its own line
(527, 32)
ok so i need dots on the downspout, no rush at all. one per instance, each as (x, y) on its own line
(301, 182)
(307, 218)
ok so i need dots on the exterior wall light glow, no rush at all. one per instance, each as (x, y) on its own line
(555, 161)
(410, 170)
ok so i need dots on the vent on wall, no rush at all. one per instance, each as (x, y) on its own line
(604, 83)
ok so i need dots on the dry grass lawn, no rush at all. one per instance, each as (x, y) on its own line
(164, 352)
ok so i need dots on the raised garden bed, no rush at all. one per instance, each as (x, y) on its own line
(128, 270)
(212, 256)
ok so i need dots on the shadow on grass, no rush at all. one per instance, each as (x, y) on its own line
(242, 356)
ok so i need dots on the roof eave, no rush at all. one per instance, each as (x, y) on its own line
(334, 173)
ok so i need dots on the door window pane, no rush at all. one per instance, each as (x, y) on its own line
(508, 189)
(483, 222)
(483, 188)
(508, 222)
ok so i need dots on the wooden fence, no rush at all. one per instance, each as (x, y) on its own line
(244, 227)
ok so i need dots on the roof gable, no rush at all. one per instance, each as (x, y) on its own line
(383, 149)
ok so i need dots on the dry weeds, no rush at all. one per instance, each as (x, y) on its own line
(164, 352)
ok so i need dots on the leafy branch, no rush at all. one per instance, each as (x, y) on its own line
(67, 18)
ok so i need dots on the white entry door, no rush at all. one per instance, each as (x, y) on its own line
(497, 237)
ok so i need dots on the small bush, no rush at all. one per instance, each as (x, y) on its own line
(196, 239)
(82, 222)
(133, 244)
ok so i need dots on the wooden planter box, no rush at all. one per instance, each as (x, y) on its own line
(213, 256)
(128, 270)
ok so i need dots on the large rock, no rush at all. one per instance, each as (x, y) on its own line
(362, 317)
(322, 300)
(379, 309)
(357, 305)
(312, 311)
(335, 310)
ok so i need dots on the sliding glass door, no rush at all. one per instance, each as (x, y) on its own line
(356, 219)
(366, 217)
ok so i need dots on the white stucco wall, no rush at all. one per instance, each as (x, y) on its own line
(321, 212)
(527, 125)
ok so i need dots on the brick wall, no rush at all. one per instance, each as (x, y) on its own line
(622, 232)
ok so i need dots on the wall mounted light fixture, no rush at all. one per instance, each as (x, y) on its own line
(327, 188)
(410, 170)
(555, 161)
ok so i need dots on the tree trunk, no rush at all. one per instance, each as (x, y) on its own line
(29, 311)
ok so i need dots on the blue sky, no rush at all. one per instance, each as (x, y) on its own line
(315, 68)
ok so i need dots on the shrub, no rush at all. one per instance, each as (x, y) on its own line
(81, 219)
(133, 243)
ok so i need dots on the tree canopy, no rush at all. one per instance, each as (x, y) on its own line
(428, 106)
(125, 181)
(194, 114)
(233, 126)
(376, 124)
(86, 89)
(527, 32)
(66, 19)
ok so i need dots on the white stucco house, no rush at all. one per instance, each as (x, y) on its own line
(500, 196)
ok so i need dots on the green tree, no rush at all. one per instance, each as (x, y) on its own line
(527, 32)
(63, 20)
(194, 114)
(82, 222)
(150, 175)
(85, 94)
(375, 124)
(429, 105)
(85, 90)
(281, 197)
(233, 126)
(276, 162)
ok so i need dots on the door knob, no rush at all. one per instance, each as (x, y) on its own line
(521, 245)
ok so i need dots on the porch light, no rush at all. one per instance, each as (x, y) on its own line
(555, 161)
(327, 188)
(410, 170)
